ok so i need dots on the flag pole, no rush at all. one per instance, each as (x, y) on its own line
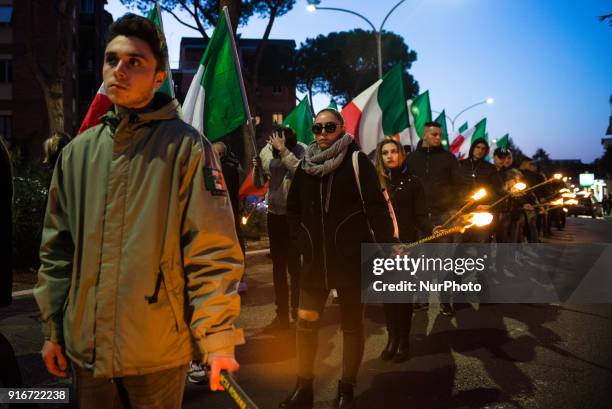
(241, 80)
(168, 70)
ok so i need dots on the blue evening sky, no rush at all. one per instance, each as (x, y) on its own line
(547, 63)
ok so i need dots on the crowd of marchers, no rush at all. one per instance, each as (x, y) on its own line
(141, 263)
(327, 198)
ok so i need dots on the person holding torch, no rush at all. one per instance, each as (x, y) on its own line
(407, 196)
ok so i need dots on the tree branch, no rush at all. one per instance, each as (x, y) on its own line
(178, 19)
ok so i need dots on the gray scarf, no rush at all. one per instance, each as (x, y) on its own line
(319, 162)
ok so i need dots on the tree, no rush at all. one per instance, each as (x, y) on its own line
(205, 13)
(603, 165)
(541, 156)
(50, 76)
(606, 19)
(344, 64)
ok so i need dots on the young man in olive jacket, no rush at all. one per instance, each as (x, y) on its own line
(139, 256)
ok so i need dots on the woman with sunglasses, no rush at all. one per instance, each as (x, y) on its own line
(407, 196)
(328, 221)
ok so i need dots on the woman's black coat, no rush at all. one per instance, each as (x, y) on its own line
(408, 198)
(330, 240)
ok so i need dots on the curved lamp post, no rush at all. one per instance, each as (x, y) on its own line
(488, 101)
(313, 5)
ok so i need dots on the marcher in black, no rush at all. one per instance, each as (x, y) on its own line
(407, 196)
(439, 171)
(230, 167)
(328, 221)
(475, 172)
(534, 220)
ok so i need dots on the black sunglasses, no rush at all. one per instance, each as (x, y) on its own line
(330, 127)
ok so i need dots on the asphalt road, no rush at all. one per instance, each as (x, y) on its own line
(495, 356)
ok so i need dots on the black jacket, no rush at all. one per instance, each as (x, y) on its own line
(408, 198)
(475, 174)
(438, 170)
(330, 241)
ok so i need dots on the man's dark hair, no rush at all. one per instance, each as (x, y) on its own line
(131, 25)
(501, 152)
(432, 124)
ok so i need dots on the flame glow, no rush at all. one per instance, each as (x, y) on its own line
(557, 202)
(244, 219)
(479, 194)
(558, 176)
(518, 187)
(480, 219)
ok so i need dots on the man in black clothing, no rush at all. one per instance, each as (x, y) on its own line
(535, 221)
(439, 172)
(475, 173)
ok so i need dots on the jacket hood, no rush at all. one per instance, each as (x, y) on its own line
(473, 146)
(161, 108)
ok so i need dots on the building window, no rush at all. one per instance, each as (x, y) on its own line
(6, 127)
(6, 71)
(88, 6)
(6, 14)
(277, 118)
(277, 89)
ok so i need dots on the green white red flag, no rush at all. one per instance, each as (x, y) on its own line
(379, 112)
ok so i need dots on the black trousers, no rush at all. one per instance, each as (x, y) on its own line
(158, 390)
(285, 259)
(351, 319)
(398, 318)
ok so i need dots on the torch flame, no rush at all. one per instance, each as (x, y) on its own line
(480, 219)
(479, 194)
(244, 220)
(519, 186)
(558, 176)
(557, 202)
(565, 210)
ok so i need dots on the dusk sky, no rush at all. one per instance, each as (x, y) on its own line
(547, 63)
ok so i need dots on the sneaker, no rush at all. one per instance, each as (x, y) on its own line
(197, 373)
(446, 310)
(335, 298)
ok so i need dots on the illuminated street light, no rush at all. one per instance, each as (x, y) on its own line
(313, 5)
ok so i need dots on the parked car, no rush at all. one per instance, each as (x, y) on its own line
(586, 206)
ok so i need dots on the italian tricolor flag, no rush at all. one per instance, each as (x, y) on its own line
(214, 104)
(460, 146)
(101, 104)
(379, 112)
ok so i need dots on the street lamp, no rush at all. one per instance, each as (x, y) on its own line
(487, 101)
(313, 5)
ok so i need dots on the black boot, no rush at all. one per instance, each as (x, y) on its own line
(345, 397)
(403, 351)
(302, 396)
(391, 347)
